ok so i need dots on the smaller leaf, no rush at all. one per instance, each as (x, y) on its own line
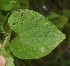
(24, 4)
(10, 61)
(6, 5)
(15, 5)
(66, 13)
(9, 58)
(58, 20)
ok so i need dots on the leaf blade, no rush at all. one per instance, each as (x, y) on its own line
(37, 36)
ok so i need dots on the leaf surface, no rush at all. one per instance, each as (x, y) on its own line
(9, 58)
(36, 36)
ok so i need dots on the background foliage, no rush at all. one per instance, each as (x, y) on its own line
(57, 11)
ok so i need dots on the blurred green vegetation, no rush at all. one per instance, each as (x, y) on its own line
(57, 11)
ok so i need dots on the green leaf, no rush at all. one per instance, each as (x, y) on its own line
(10, 61)
(58, 20)
(24, 4)
(6, 5)
(9, 58)
(15, 5)
(66, 13)
(36, 36)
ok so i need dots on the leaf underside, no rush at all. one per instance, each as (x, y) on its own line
(36, 36)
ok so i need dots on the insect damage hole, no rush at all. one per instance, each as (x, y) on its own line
(13, 24)
(21, 14)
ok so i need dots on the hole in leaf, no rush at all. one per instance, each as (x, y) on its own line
(13, 23)
(21, 14)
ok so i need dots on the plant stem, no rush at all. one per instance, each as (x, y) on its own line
(5, 22)
(4, 43)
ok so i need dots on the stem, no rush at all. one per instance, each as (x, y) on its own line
(5, 22)
(4, 43)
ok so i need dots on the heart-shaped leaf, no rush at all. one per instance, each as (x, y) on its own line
(36, 36)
